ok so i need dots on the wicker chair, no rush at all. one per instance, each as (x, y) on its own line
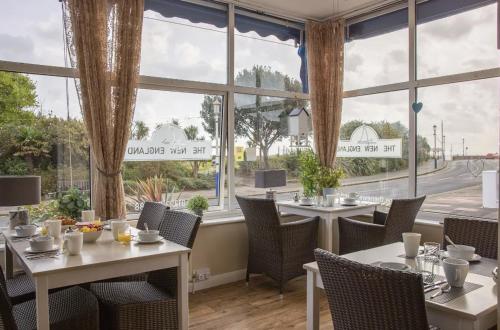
(365, 297)
(386, 227)
(482, 234)
(152, 214)
(275, 249)
(73, 308)
(150, 304)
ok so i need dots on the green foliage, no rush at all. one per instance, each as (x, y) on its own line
(197, 203)
(17, 94)
(73, 203)
(329, 177)
(309, 168)
(43, 211)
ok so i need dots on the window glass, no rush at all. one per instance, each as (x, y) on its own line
(184, 47)
(269, 134)
(458, 43)
(43, 134)
(31, 31)
(373, 150)
(175, 144)
(377, 59)
(459, 123)
(267, 55)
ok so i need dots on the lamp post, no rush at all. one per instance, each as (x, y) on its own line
(217, 106)
(463, 146)
(435, 159)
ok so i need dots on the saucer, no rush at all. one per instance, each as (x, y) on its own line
(475, 257)
(306, 204)
(394, 265)
(349, 204)
(29, 251)
(14, 235)
(138, 240)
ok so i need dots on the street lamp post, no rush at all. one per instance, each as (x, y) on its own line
(463, 147)
(435, 159)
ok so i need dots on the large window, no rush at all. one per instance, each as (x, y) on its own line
(459, 124)
(42, 133)
(175, 143)
(375, 54)
(31, 31)
(269, 133)
(453, 119)
(374, 146)
(184, 41)
(268, 55)
(455, 43)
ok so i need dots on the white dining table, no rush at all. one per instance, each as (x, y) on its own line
(476, 310)
(329, 227)
(103, 259)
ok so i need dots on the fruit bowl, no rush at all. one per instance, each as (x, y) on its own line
(91, 231)
(92, 236)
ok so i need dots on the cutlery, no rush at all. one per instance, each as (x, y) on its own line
(448, 239)
(45, 256)
(434, 284)
(442, 289)
(146, 226)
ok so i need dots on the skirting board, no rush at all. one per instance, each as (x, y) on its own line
(219, 279)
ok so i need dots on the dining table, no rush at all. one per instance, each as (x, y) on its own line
(474, 310)
(102, 259)
(329, 227)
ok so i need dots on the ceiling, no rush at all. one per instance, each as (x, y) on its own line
(312, 9)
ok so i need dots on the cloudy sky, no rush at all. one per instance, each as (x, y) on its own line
(31, 31)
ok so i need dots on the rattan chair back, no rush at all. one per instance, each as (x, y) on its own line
(481, 234)
(180, 227)
(365, 297)
(6, 317)
(152, 214)
(401, 218)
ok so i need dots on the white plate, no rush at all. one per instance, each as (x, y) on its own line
(54, 249)
(346, 204)
(147, 242)
(14, 235)
(475, 257)
(394, 265)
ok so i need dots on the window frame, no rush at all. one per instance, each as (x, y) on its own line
(229, 89)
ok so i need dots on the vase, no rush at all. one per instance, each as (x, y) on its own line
(198, 212)
(328, 191)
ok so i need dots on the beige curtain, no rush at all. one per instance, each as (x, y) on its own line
(104, 42)
(325, 65)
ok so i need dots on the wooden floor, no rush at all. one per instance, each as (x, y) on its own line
(258, 306)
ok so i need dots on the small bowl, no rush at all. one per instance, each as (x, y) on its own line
(91, 237)
(465, 252)
(42, 243)
(25, 230)
(348, 200)
(148, 236)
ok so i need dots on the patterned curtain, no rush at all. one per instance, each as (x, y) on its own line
(325, 62)
(104, 42)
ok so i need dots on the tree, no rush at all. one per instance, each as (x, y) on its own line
(140, 130)
(17, 94)
(192, 134)
(260, 119)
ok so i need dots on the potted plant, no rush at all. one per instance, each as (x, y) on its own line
(198, 204)
(328, 179)
(308, 169)
(73, 203)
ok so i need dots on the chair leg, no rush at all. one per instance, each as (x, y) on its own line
(248, 276)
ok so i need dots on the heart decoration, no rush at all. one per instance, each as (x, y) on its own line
(417, 106)
(475, 167)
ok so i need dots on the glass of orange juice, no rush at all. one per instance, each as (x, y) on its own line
(125, 236)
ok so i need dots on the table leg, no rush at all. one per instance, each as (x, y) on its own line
(329, 234)
(312, 302)
(9, 262)
(182, 292)
(42, 303)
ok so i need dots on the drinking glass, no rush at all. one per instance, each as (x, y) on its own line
(427, 265)
(124, 236)
(431, 249)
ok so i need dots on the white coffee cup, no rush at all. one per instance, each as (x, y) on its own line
(88, 215)
(461, 251)
(412, 243)
(74, 242)
(118, 226)
(54, 228)
(456, 271)
(149, 236)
